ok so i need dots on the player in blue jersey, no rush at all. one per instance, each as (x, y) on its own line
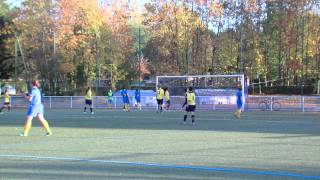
(35, 110)
(138, 99)
(125, 100)
(239, 104)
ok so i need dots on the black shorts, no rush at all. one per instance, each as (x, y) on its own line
(6, 104)
(88, 102)
(160, 101)
(191, 108)
(168, 102)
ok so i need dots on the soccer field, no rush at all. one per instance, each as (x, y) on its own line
(147, 145)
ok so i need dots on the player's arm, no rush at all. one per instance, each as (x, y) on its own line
(28, 97)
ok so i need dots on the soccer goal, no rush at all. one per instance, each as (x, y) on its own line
(213, 92)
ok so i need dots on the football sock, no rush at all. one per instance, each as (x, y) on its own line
(46, 125)
(27, 128)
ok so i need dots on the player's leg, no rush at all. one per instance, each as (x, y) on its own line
(161, 105)
(193, 108)
(85, 107)
(238, 111)
(5, 105)
(1, 109)
(139, 106)
(158, 105)
(45, 124)
(110, 104)
(168, 105)
(127, 106)
(135, 104)
(185, 115)
(28, 123)
(27, 126)
(91, 107)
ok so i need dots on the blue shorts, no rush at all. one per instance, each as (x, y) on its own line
(125, 100)
(35, 110)
(239, 104)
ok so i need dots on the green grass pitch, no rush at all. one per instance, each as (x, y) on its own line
(147, 145)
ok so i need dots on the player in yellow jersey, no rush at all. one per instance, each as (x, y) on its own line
(159, 96)
(6, 103)
(167, 96)
(191, 105)
(88, 101)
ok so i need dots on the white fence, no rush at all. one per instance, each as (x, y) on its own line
(265, 103)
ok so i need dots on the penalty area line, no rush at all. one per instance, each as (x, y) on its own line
(167, 166)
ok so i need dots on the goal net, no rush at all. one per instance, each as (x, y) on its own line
(213, 92)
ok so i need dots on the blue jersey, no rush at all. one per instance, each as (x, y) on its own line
(239, 99)
(35, 97)
(124, 92)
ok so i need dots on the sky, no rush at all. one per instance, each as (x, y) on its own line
(13, 3)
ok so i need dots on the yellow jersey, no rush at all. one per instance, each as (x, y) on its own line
(167, 95)
(191, 98)
(7, 98)
(89, 95)
(160, 93)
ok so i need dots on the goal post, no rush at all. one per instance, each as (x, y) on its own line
(318, 88)
(213, 91)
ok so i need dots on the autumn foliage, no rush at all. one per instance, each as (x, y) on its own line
(74, 43)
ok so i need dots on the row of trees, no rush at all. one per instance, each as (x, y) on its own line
(271, 40)
(74, 43)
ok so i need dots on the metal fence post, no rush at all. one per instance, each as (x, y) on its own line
(50, 102)
(302, 103)
(214, 103)
(115, 102)
(271, 102)
(71, 102)
(93, 100)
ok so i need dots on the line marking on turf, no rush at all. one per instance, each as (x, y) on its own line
(168, 166)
